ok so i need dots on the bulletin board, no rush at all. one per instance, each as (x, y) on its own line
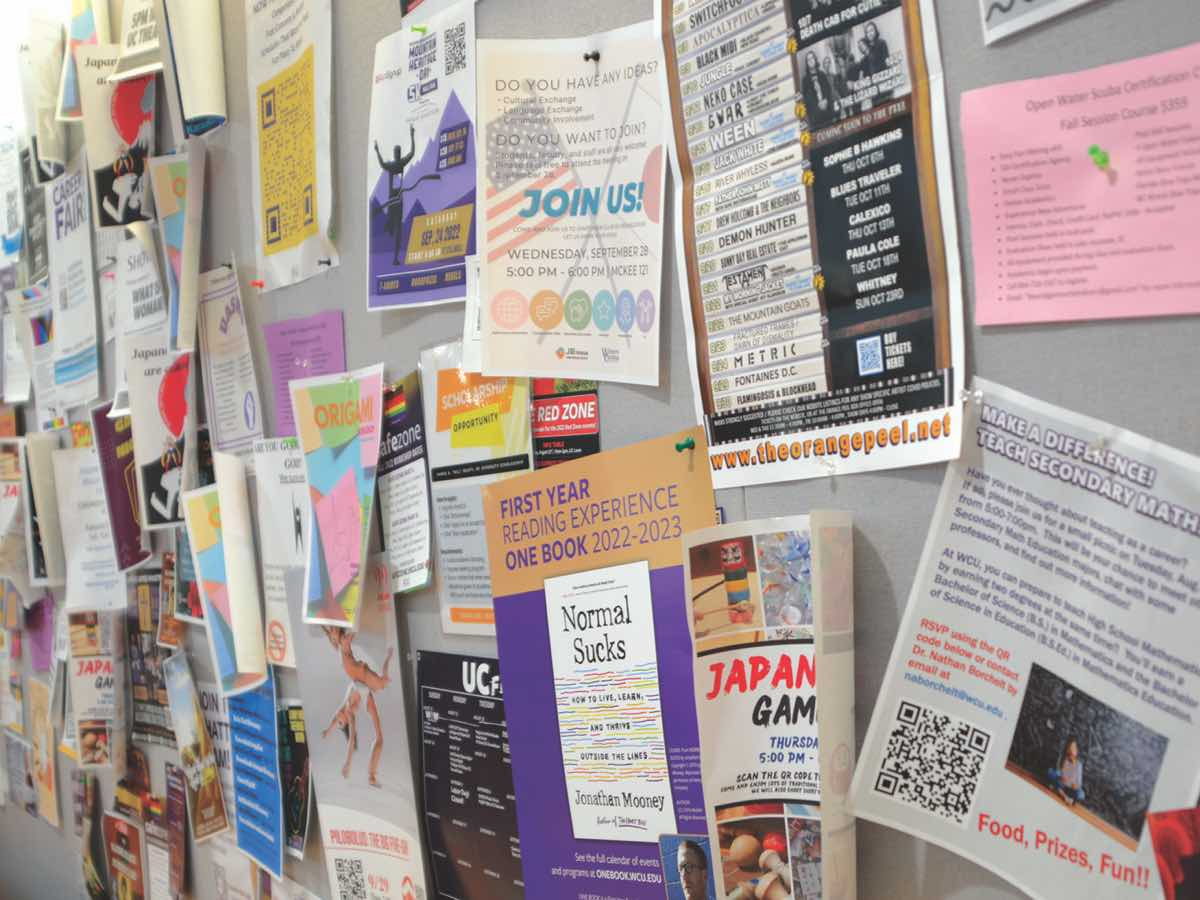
(1140, 374)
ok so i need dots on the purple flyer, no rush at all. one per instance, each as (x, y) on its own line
(302, 348)
(421, 163)
(114, 444)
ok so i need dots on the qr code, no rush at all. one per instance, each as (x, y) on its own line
(870, 355)
(350, 879)
(933, 761)
(456, 48)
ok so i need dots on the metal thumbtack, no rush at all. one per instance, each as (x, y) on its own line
(324, 262)
(688, 443)
(258, 283)
(593, 56)
(420, 29)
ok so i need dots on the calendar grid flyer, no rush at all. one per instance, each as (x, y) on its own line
(1040, 706)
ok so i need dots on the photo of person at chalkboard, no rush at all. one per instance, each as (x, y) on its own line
(1067, 776)
(817, 91)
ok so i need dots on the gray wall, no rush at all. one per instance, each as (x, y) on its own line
(1135, 373)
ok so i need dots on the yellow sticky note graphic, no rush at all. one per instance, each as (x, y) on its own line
(287, 156)
(477, 428)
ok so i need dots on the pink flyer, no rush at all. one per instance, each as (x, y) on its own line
(302, 348)
(1083, 191)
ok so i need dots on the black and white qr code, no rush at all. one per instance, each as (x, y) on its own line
(351, 885)
(456, 48)
(933, 761)
(870, 355)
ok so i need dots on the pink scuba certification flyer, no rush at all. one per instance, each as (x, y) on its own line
(1082, 190)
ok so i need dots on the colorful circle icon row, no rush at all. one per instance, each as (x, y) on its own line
(547, 310)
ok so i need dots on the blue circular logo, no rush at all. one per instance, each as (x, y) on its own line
(249, 410)
(604, 308)
(626, 310)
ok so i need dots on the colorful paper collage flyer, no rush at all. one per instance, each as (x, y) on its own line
(178, 185)
(219, 531)
(338, 419)
(87, 25)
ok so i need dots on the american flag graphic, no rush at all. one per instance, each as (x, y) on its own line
(528, 164)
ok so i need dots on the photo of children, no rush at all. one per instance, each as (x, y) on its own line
(1176, 838)
(754, 851)
(687, 867)
(1085, 755)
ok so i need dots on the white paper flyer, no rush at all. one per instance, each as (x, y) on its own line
(93, 579)
(284, 509)
(601, 637)
(572, 160)
(1041, 698)
(288, 48)
(139, 304)
(43, 533)
(232, 404)
(193, 64)
(72, 283)
(39, 63)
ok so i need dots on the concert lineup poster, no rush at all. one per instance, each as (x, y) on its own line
(771, 607)
(205, 797)
(816, 236)
(404, 486)
(421, 162)
(476, 430)
(572, 158)
(470, 803)
(295, 776)
(118, 129)
(353, 695)
(338, 421)
(258, 799)
(591, 604)
(566, 420)
(125, 854)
